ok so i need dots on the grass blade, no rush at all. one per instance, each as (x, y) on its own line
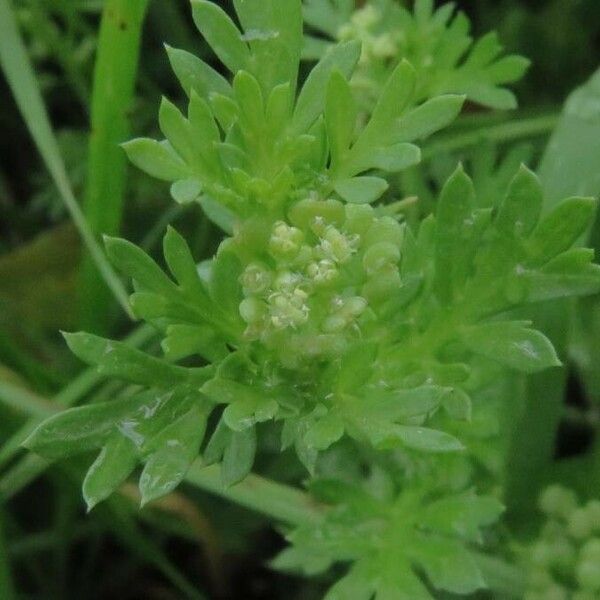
(21, 79)
(114, 80)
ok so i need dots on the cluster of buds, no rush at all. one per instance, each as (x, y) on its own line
(363, 26)
(564, 562)
(320, 271)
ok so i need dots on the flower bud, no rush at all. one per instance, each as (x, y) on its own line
(252, 310)
(289, 309)
(255, 279)
(380, 255)
(383, 46)
(359, 218)
(366, 17)
(345, 312)
(285, 241)
(307, 212)
(322, 272)
(384, 229)
(338, 247)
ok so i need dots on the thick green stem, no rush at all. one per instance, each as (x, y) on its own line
(112, 98)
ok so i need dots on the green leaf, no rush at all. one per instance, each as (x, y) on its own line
(561, 228)
(273, 29)
(395, 97)
(226, 391)
(417, 438)
(454, 243)
(195, 75)
(361, 190)
(399, 405)
(279, 105)
(203, 126)
(178, 131)
(83, 428)
(186, 191)
(172, 452)
(447, 564)
(462, 515)
(238, 456)
(117, 359)
(508, 69)
(181, 262)
(392, 158)
(457, 404)
(356, 367)
(433, 115)
(217, 443)
(381, 130)
(249, 408)
(324, 432)
(571, 161)
(135, 263)
(222, 35)
(356, 585)
(398, 582)
(182, 341)
(520, 210)
(156, 158)
(223, 285)
(114, 464)
(512, 344)
(218, 214)
(311, 100)
(340, 117)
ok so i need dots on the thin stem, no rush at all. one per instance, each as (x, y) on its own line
(280, 502)
(504, 132)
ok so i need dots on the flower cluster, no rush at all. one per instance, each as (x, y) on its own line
(318, 277)
(363, 26)
(564, 563)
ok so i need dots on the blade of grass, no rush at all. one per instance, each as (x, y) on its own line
(117, 517)
(112, 97)
(21, 79)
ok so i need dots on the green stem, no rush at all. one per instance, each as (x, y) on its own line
(504, 132)
(21, 79)
(280, 502)
(112, 98)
